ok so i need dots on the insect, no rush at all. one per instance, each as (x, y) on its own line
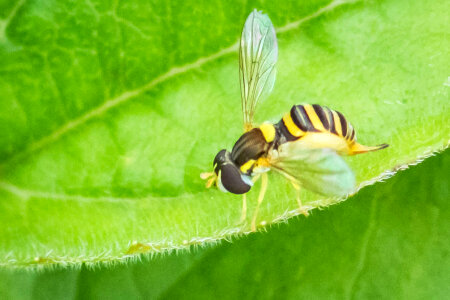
(305, 146)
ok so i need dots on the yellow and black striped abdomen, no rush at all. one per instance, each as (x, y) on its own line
(321, 127)
(307, 118)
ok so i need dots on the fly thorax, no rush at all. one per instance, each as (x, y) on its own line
(251, 146)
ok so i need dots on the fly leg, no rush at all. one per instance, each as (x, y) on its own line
(244, 201)
(211, 178)
(301, 209)
(244, 208)
(262, 192)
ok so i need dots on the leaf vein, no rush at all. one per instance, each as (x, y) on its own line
(13, 13)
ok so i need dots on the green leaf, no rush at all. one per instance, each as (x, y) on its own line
(109, 112)
(388, 242)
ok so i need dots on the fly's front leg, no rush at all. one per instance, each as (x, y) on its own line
(262, 192)
(210, 178)
(255, 179)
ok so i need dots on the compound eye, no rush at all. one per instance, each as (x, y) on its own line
(232, 180)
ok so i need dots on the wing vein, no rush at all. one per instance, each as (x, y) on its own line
(258, 56)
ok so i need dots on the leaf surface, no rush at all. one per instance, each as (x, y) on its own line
(388, 241)
(109, 112)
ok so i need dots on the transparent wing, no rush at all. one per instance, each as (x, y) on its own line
(320, 170)
(258, 54)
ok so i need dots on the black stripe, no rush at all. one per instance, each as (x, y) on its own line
(237, 148)
(353, 134)
(297, 120)
(343, 124)
(332, 127)
(241, 142)
(321, 114)
(305, 115)
(298, 113)
(285, 132)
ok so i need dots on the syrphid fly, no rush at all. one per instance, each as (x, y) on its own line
(305, 146)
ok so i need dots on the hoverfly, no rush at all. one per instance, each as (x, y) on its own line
(305, 146)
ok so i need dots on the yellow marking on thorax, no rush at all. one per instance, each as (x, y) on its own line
(337, 123)
(262, 165)
(313, 117)
(291, 127)
(247, 166)
(268, 130)
(263, 162)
